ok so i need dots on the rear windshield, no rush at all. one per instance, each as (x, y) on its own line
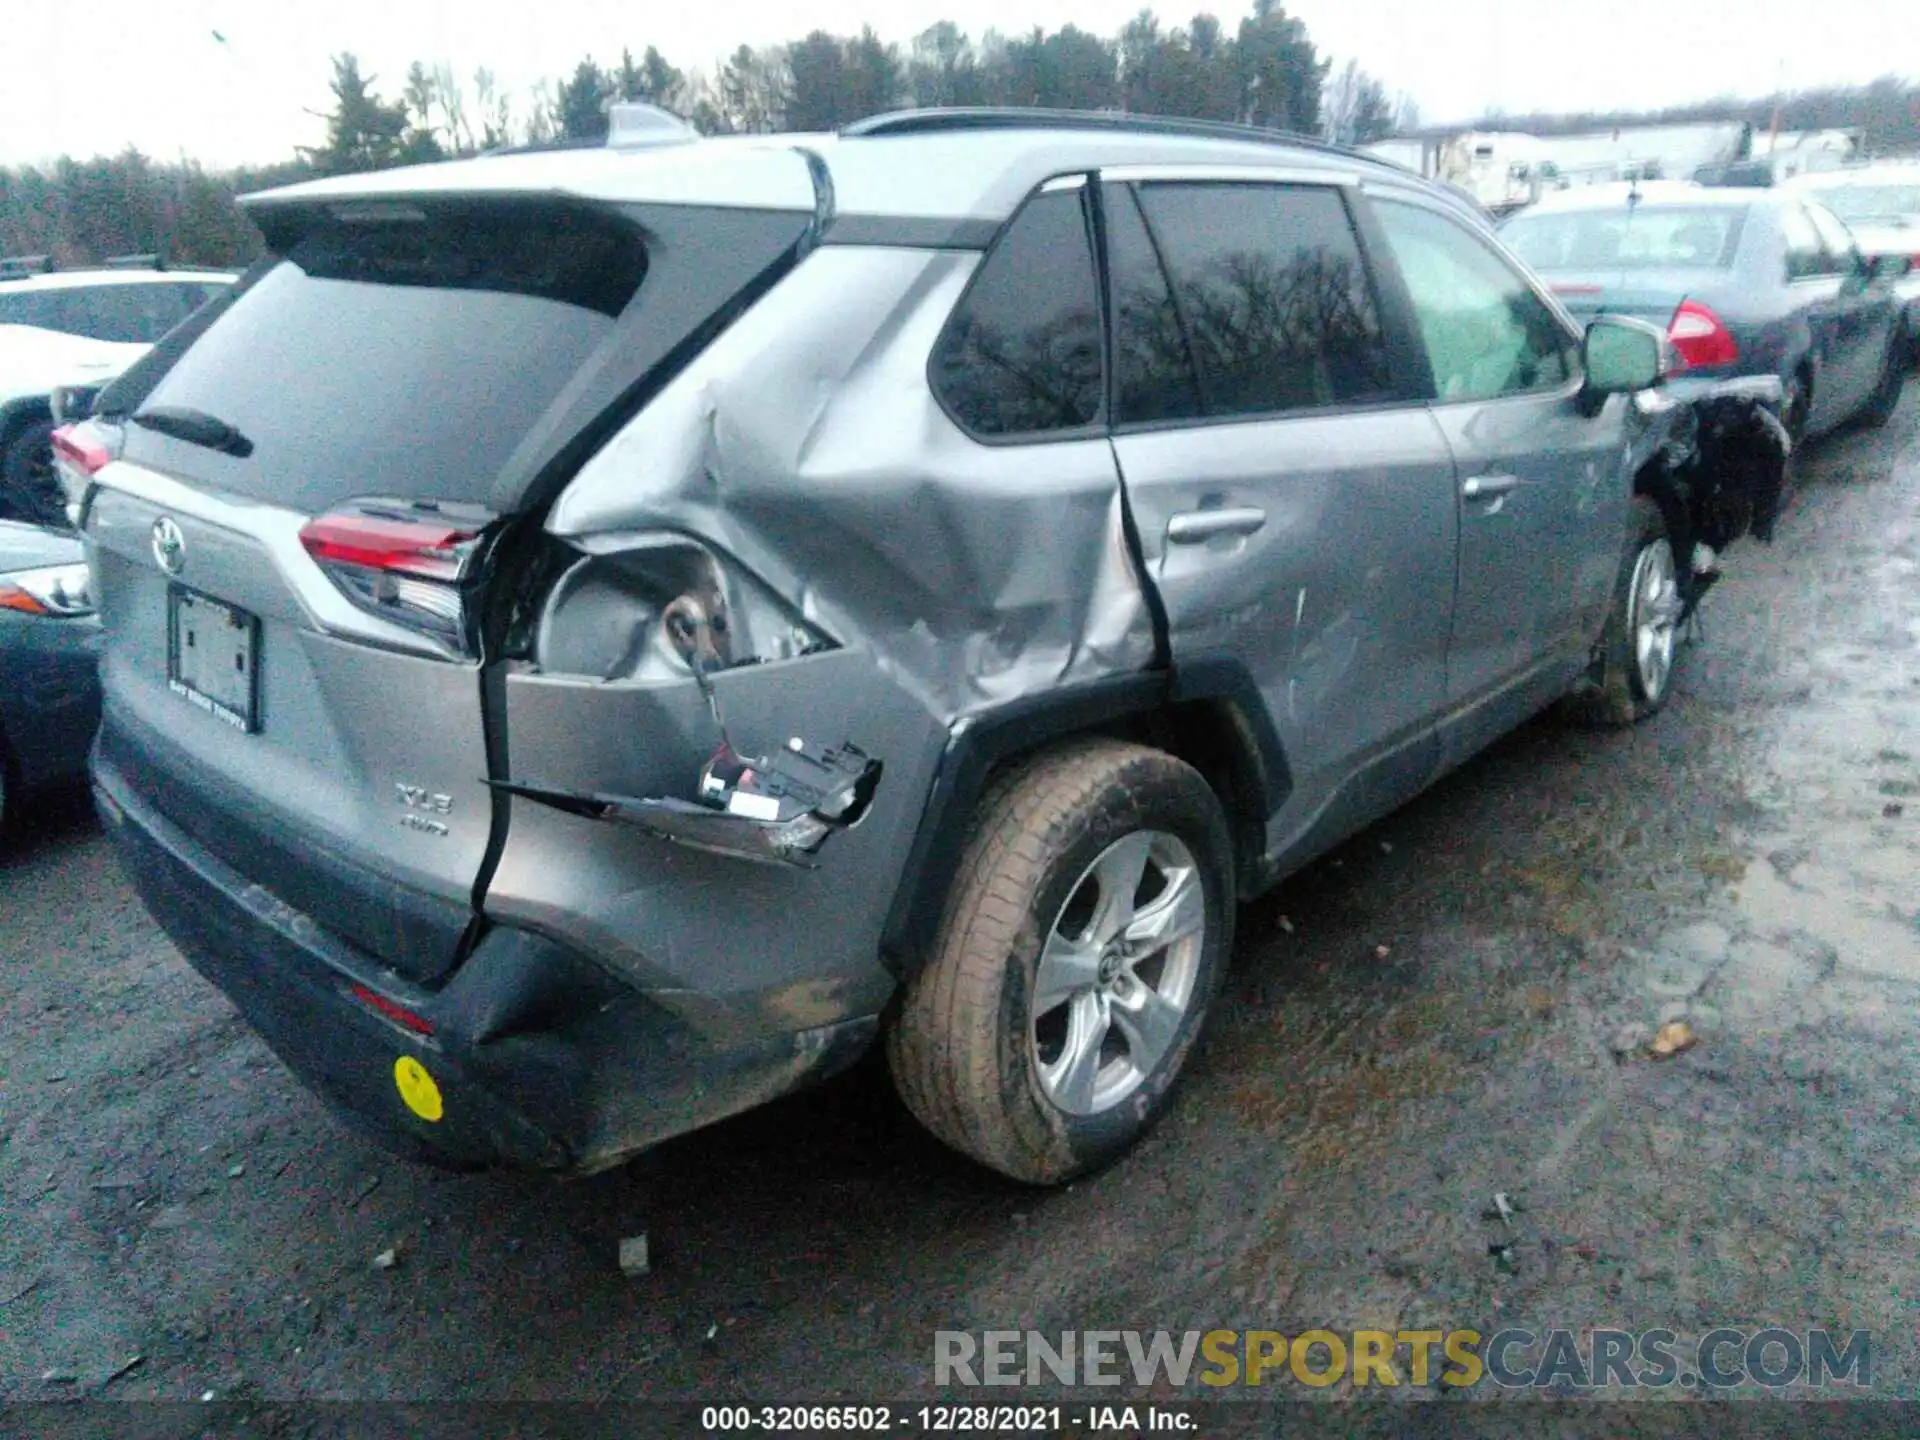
(1873, 204)
(1646, 237)
(399, 351)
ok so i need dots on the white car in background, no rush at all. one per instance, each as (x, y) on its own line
(74, 330)
(1880, 203)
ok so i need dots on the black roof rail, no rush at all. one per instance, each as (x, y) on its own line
(18, 267)
(152, 260)
(960, 118)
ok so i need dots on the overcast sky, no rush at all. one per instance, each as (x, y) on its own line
(150, 72)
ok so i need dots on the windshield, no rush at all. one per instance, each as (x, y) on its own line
(1873, 204)
(129, 314)
(1640, 238)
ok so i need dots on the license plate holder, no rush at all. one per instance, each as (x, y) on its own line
(213, 657)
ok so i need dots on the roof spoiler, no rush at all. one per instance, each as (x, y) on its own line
(151, 261)
(18, 267)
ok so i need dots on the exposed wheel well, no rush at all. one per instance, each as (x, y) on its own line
(1212, 718)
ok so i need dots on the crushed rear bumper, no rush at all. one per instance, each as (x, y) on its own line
(538, 1058)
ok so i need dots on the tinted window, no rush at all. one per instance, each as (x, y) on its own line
(1155, 366)
(1486, 332)
(1021, 354)
(1643, 237)
(1842, 254)
(28, 307)
(1274, 296)
(127, 313)
(1805, 255)
(406, 357)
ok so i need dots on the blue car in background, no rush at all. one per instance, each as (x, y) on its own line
(1744, 281)
(49, 644)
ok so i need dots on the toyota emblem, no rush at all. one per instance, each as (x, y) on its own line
(169, 546)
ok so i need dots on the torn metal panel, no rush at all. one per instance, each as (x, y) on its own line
(645, 905)
(805, 443)
(1715, 459)
(777, 809)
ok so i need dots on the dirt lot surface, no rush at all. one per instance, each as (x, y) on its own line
(1454, 1004)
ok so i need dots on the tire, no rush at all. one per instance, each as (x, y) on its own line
(28, 489)
(1796, 407)
(1893, 378)
(1632, 672)
(975, 1058)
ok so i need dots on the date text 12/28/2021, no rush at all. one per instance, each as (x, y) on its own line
(943, 1419)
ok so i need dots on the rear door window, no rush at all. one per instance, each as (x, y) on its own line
(1843, 255)
(1021, 353)
(1274, 298)
(1806, 256)
(1154, 377)
(406, 352)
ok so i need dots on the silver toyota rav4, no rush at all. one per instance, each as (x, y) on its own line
(598, 639)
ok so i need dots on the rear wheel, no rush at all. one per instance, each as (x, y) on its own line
(1893, 377)
(1085, 937)
(28, 488)
(1633, 669)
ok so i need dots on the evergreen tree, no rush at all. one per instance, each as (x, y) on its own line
(817, 83)
(363, 132)
(1280, 72)
(580, 106)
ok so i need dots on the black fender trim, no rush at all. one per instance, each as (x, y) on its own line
(1150, 704)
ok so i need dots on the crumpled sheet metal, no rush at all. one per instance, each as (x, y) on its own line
(1723, 449)
(804, 441)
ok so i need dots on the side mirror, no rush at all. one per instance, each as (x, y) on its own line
(1622, 355)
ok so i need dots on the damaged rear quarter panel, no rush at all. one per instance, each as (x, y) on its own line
(736, 948)
(806, 446)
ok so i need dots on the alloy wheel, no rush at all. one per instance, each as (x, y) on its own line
(1116, 974)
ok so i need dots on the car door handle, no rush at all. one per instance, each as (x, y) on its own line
(1488, 487)
(1193, 527)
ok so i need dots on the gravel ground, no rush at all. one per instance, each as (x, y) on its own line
(1454, 1004)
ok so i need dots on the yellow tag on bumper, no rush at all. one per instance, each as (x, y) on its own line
(417, 1088)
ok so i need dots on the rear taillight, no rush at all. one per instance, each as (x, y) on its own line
(410, 563)
(81, 451)
(1700, 338)
(84, 451)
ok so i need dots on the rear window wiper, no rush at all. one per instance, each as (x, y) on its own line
(196, 427)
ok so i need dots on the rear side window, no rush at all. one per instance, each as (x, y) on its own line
(1273, 296)
(406, 353)
(1021, 354)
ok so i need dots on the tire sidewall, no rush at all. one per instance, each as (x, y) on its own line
(1165, 796)
(1649, 529)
